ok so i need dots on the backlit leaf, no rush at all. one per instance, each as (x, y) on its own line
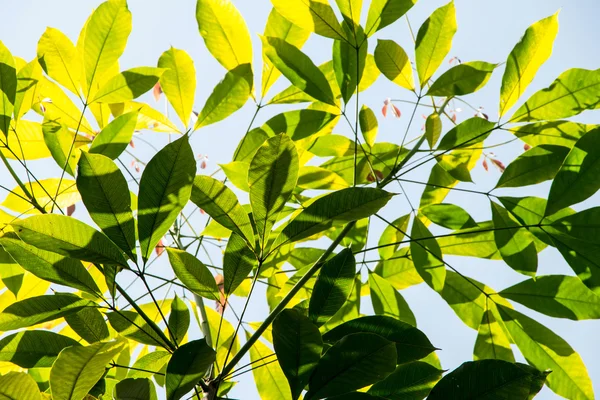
(392, 61)
(178, 82)
(313, 15)
(59, 59)
(427, 256)
(193, 274)
(462, 79)
(128, 85)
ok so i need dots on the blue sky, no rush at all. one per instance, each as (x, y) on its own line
(487, 31)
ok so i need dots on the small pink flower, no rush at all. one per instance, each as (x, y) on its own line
(135, 165)
(395, 110)
(131, 144)
(485, 165)
(499, 164)
(203, 161)
(157, 91)
(70, 210)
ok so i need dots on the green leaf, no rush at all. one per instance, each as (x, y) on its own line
(268, 375)
(559, 133)
(462, 79)
(573, 92)
(237, 173)
(467, 133)
(427, 256)
(114, 138)
(18, 385)
(279, 27)
(536, 165)
(387, 301)
(392, 236)
(298, 345)
(218, 201)
(104, 39)
(272, 177)
(392, 61)
(298, 67)
(332, 288)
(411, 343)
(33, 349)
(351, 11)
(69, 237)
(238, 262)
(336, 208)
(128, 85)
(187, 366)
(153, 362)
(545, 350)
(8, 88)
(179, 319)
(579, 176)
(228, 96)
(300, 124)
(224, 32)
(28, 79)
(348, 63)
(320, 178)
(49, 266)
(492, 341)
(249, 144)
(472, 242)
(135, 389)
(368, 125)
(313, 15)
(78, 369)
(106, 196)
(411, 381)
(449, 216)
(516, 244)
(59, 59)
(89, 324)
(434, 41)
(193, 274)
(385, 12)
(165, 188)
(489, 379)
(131, 325)
(59, 140)
(355, 361)
(178, 82)
(433, 129)
(525, 59)
(558, 296)
(399, 270)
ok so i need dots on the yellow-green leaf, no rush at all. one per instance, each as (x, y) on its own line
(59, 59)
(8, 87)
(385, 12)
(44, 192)
(313, 15)
(178, 82)
(462, 79)
(128, 85)
(392, 61)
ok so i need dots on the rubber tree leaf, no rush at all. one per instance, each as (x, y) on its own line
(558, 296)
(412, 381)
(333, 209)
(272, 177)
(28, 85)
(491, 379)
(545, 350)
(60, 107)
(385, 12)
(60, 60)
(578, 178)
(238, 262)
(224, 32)
(228, 96)
(128, 85)
(154, 361)
(33, 349)
(434, 41)
(536, 165)
(69, 237)
(368, 125)
(135, 389)
(516, 244)
(104, 39)
(165, 188)
(218, 201)
(355, 361)
(492, 341)
(30, 136)
(462, 79)
(411, 343)
(106, 196)
(186, 367)
(433, 129)
(427, 256)
(59, 140)
(89, 324)
(467, 133)
(392, 236)
(559, 133)
(449, 216)
(268, 375)
(573, 92)
(19, 385)
(114, 138)
(131, 325)
(179, 319)
(8, 88)
(351, 11)
(193, 274)
(237, 173)
(393, 62)
(280, 27)
(320, 178)
(332, 287)
(312, 15)
(178, 81)
(298, 68)
(78, 369)
(49, 266)
(298, 345)
(524, 61)
(348, 63)
(301, 124)
(388, 301)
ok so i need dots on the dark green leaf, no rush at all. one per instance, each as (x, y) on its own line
(135, 389)
(427, 256)
(132, 326)
(149, 364)
(537, 165)
(88, 323)
(193, 274)
(449, 216)
(467, 133)
(179, 319)
(128, 85)
(187, 366)
(462, 79)
(8, 88)
(238, 262)
(300, 124)
(388, 301)
(116, 136)
(411, 381)
(385, 12)
(33, 349)
(348, 63)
